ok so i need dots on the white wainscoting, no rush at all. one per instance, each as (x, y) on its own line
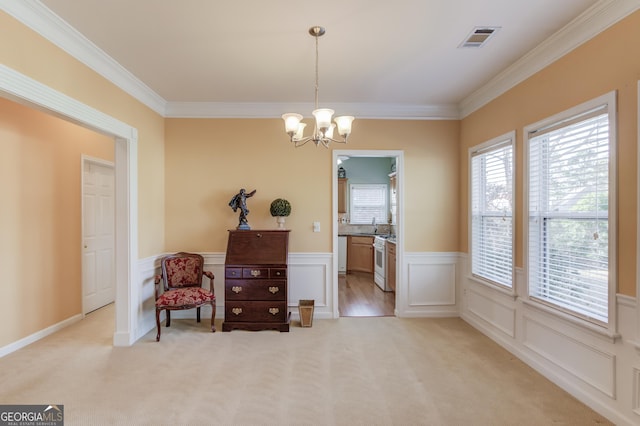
(497, 310)
(602, 372)
(309, 278)
(428, 285)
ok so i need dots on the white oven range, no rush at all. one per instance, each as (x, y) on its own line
(380, 254)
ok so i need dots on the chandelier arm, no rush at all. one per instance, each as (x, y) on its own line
(336, 140)
(300, 142)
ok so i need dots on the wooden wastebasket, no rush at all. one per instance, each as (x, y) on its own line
(305, 308)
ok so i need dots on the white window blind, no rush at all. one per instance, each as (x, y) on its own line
(368, 201)
(492, 213)
(568, 245)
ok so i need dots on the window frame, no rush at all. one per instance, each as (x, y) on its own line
(385, 208)
(608, 328)
(507, 139)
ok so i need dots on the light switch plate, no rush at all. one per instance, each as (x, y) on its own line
(316, 226)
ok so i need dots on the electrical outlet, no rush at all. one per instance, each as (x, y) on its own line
(316, 226)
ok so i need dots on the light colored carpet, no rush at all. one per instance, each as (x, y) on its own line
(350, 371)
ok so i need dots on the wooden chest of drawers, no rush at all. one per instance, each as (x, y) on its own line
(255, 294)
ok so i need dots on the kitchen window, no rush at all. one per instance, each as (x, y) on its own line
(571, 210)
(492, 210)
(368, 202)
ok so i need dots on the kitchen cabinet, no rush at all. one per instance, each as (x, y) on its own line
(360, 253)
(342, 195)
(391, 266)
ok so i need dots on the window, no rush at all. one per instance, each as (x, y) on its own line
(571, 200)
(368, 201)
(492, 210)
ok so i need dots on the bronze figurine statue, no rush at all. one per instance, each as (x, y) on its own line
(239, 201)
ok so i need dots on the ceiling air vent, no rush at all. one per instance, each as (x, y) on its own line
(479, 36)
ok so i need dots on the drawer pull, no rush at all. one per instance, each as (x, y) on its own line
(255, 272)
(233, 272)
(274, 290)
(274, 311)
(236, 289)
(236, 311)
(278, 273)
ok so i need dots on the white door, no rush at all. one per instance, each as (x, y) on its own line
(98, 263)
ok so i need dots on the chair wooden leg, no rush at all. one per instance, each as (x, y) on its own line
(198, 313)
(168, 322)
(213, 316)
(158, 324)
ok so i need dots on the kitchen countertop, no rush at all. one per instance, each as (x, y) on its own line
(364, 234)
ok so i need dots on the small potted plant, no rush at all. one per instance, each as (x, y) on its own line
(280, 208)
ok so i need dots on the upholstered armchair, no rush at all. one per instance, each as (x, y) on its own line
(182, 287)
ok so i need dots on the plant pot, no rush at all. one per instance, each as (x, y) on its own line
(280, 221)
(306, 312)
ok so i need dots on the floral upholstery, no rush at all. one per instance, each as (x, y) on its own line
(184, 297)
(181, 284)
(183, 271)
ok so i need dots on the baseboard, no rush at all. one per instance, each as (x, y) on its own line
(19, 344)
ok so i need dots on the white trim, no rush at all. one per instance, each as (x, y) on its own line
(25, 90)
(637, 337)
(596, 19)
(19, 344)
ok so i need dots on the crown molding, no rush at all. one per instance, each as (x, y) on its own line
(593, 21)
(43, 21)
(275, 110)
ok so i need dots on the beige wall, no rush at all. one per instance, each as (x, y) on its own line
(26, 52)
(40, 217)
(606, 63)
(209, 160)
(40, 227)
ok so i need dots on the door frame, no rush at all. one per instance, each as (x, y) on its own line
(24, 90)
(399, 155)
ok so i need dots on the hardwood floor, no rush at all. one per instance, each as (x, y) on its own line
(359, 296)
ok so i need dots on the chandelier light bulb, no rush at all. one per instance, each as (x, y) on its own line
(344, 125)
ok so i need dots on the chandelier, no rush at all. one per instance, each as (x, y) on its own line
(323, 130)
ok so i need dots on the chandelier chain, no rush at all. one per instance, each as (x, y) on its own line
(317, 73)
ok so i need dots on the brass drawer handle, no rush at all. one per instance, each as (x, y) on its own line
(236, 311)
(274, 311)
(236, 289)
(274, 290)
(255, 272)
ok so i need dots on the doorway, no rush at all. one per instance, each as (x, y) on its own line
(369, 285)
(23, 89)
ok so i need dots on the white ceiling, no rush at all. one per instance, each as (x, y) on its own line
(385, 59)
